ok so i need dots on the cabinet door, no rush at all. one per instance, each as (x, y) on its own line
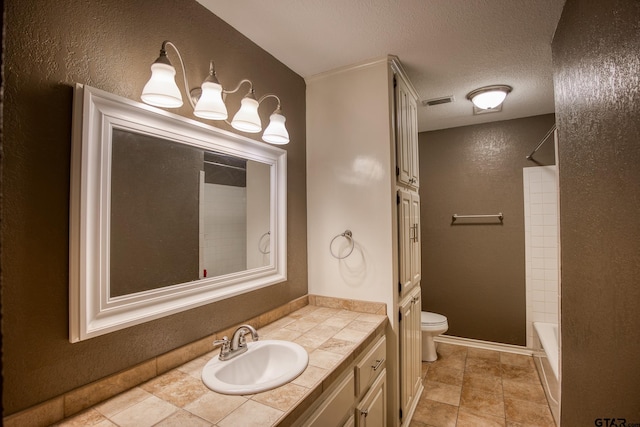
(413, 142)
(414, 218)
(416, 357)
(372, 410)
(409, 258)
(407, 160)
(337, 405)
(410, 348)
(404, 242)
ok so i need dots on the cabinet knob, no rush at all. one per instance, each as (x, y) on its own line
(364, 412)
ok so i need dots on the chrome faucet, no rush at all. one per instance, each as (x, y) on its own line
(238, 343)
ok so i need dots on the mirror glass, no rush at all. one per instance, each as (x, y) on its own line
(183, 213)
(166, 214)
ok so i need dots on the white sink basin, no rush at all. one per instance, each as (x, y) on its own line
(265, 365)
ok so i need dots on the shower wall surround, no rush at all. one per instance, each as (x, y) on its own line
(225, 229)
(540, 186)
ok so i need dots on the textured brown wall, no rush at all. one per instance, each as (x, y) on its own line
(474, 272)
(108, 44)
(597, 80)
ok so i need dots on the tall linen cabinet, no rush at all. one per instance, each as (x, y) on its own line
(362, 176)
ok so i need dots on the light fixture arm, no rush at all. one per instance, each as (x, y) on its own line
(163, 52)
(270, 95)
(225, 91)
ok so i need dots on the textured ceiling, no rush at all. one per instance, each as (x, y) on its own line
(447, 47)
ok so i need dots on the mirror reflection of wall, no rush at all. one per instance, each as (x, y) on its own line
(258, 218)
(234, 215)
(154, 213)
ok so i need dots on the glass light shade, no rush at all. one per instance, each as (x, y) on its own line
(489, 99)
(161, 90)
(210, 105)
(247, 118)
(276, 132)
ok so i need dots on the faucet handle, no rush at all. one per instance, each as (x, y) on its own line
(226, 346)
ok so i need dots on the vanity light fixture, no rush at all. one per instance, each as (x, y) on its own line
(489, 97)
(207, 101)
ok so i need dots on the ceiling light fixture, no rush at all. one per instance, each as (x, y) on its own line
(489, 97)
(207, 101)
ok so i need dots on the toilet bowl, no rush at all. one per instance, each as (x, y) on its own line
(432, 325)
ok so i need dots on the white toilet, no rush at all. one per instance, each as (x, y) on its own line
(433, 324)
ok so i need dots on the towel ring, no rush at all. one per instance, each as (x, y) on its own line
(347, 235)
(268, 233)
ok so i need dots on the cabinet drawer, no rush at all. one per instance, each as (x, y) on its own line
(370, 366)
(338, 404)
(372, 410)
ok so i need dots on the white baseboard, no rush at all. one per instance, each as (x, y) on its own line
(486, 345)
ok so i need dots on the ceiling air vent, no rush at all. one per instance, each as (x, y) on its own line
(438, 101)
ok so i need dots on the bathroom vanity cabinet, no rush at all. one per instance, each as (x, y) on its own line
(358, 398)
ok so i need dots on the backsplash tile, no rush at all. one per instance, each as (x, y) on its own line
(180, 356)
(44, 414)
(91, 394)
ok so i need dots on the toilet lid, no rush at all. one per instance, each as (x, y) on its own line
(428, 318)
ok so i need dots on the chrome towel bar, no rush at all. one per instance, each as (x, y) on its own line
(498, 215)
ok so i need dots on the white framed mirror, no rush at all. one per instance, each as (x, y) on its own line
(166, 214)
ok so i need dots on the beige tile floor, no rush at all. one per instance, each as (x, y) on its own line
(469, 387)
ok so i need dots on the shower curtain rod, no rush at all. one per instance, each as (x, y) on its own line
(225, 166)
(542, 142)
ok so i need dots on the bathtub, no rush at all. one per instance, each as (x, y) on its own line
(546, 357)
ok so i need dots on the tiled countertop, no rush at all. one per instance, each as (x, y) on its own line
(331, 336)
